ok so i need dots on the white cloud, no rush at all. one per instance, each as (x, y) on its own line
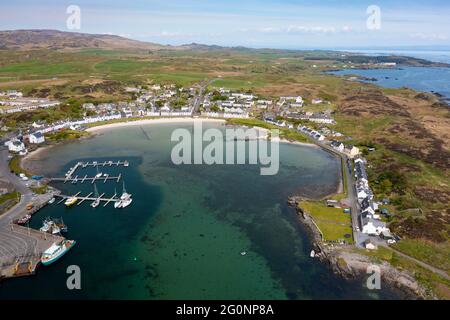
(308, 29)
(429, 36)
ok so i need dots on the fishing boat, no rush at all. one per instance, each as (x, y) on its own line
(50, 226)
(24, 220)
(56, 251)
(61, 225)
(71, 201)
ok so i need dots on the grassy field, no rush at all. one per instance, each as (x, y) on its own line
(65, 135)
(333, 222)
(285, 133)
(433, 282)
(14, 166)
(8, 200)
(437, 255)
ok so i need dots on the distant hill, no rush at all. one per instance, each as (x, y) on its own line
(58, 40)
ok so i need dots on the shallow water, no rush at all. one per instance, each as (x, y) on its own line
(183, 236)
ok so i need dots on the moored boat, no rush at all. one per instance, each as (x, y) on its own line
(96, 202)
(50, 226)
(24, 220)
(118, 204)
(56, 251)
(71, 201)
(126, 202)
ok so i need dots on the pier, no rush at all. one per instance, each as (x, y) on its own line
(74, 179)
(88, 197)
(92, 180)
(94, 164)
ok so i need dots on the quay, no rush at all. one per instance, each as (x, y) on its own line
(21, 247)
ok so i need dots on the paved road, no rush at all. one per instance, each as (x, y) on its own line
(351, 192)
(19, 185)
(199, 97)
(358, 236)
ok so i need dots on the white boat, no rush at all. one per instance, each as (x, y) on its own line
(56, 251)
(50, 227)
(126, 202)
(125, 195)
(52, 201)
(118, 204)
(45, 227)
(96, 203)
(126, 164)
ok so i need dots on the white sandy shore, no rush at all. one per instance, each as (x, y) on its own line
(35, 155)
(151, 121)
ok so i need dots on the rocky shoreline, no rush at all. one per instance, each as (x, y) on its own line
(349, 264)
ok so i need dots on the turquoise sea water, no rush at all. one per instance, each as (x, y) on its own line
(183, 235)
(418, 78)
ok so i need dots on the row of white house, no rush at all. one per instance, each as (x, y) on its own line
(348, 149)
(370, 220)
(11, 94)
(226, 115)
(26, 104)
(311, 132)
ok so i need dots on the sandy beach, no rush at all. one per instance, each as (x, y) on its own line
(151, 121)
(27, 161)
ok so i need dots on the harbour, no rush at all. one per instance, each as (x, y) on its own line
(21, 247)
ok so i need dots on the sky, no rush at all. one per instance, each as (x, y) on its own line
(285, 24)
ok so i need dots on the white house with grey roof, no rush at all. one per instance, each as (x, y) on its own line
(36, 138)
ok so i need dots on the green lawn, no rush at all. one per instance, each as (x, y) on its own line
(333, 222)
